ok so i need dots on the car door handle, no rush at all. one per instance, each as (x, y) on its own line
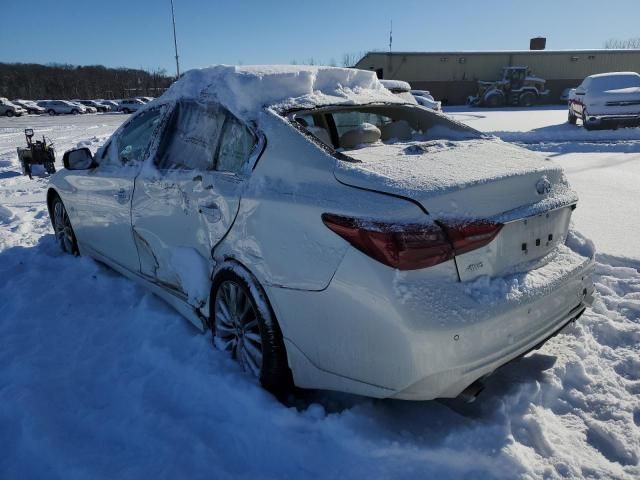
(211, 212)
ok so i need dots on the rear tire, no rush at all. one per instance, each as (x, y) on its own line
(126, 111)
(527, 99)
(62, 228)
(244, 325)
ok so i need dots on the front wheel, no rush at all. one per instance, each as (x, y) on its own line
(244, 326)
(52, 112)
(62, 228)
(9, 113)
(126, 111)
(75, 112)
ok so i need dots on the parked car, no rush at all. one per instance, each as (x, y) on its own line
(10, 109)
(606, 100)
(58, 107)
(424, 98)
(113, 105)
(566, 94)
(330, 233)
(130, 105)
(30, 106)
(93, 106)
(399, 88)
(84, 108)
(145, 99)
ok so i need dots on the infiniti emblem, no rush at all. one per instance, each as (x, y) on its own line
(543, 185)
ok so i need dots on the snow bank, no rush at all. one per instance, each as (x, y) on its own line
(245, 90)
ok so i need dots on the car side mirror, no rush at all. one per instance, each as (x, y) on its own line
(78, 159)
(578, 91)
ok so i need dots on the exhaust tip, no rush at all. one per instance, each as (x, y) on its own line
(470, 393)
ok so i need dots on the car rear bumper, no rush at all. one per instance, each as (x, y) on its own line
(422, 335)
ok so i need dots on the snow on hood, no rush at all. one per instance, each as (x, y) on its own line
(245, 90)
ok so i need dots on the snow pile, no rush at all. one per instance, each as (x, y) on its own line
(245, 90)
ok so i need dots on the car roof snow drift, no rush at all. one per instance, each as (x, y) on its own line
(245, 90)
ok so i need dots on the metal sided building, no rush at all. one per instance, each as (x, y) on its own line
(452, 76)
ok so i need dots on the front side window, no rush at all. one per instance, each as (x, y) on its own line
(235, 147)
(135, 138)
(191, 138)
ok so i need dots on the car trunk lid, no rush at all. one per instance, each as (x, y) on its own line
(471, 180)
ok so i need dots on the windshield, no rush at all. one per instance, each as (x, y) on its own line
(614, 82)
(347, 128)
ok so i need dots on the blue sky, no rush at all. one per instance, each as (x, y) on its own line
(137, 33)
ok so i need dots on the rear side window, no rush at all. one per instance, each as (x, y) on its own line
(235, 147)
(191, 138)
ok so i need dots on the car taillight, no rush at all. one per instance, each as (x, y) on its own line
(468, 236)
(411, 246)
(405, 247)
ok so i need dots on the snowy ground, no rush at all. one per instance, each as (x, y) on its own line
(99, 379)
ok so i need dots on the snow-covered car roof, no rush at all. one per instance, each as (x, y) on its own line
(246, 90)
(614, 74)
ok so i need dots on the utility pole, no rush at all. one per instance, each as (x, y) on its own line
(390, 36)
(175, 42)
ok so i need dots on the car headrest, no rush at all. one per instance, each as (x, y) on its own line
(364, 133)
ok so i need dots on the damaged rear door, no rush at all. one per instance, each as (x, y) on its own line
(185, 205)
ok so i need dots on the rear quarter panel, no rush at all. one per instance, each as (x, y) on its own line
(278, 233)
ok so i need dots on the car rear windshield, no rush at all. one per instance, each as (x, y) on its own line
(346, 128)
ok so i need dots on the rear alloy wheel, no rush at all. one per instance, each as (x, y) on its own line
(527, 99)
(246, 328)
(62, 228)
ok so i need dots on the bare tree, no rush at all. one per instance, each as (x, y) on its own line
(614, 43)
(350, 59)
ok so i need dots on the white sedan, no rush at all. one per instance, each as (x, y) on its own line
(606, 99)
(331, 234)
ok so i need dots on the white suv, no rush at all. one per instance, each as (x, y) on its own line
(130, 105)
(606, 99)
(57, 107)
(10, 109)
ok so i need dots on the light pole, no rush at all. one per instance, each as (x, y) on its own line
(175, 42)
